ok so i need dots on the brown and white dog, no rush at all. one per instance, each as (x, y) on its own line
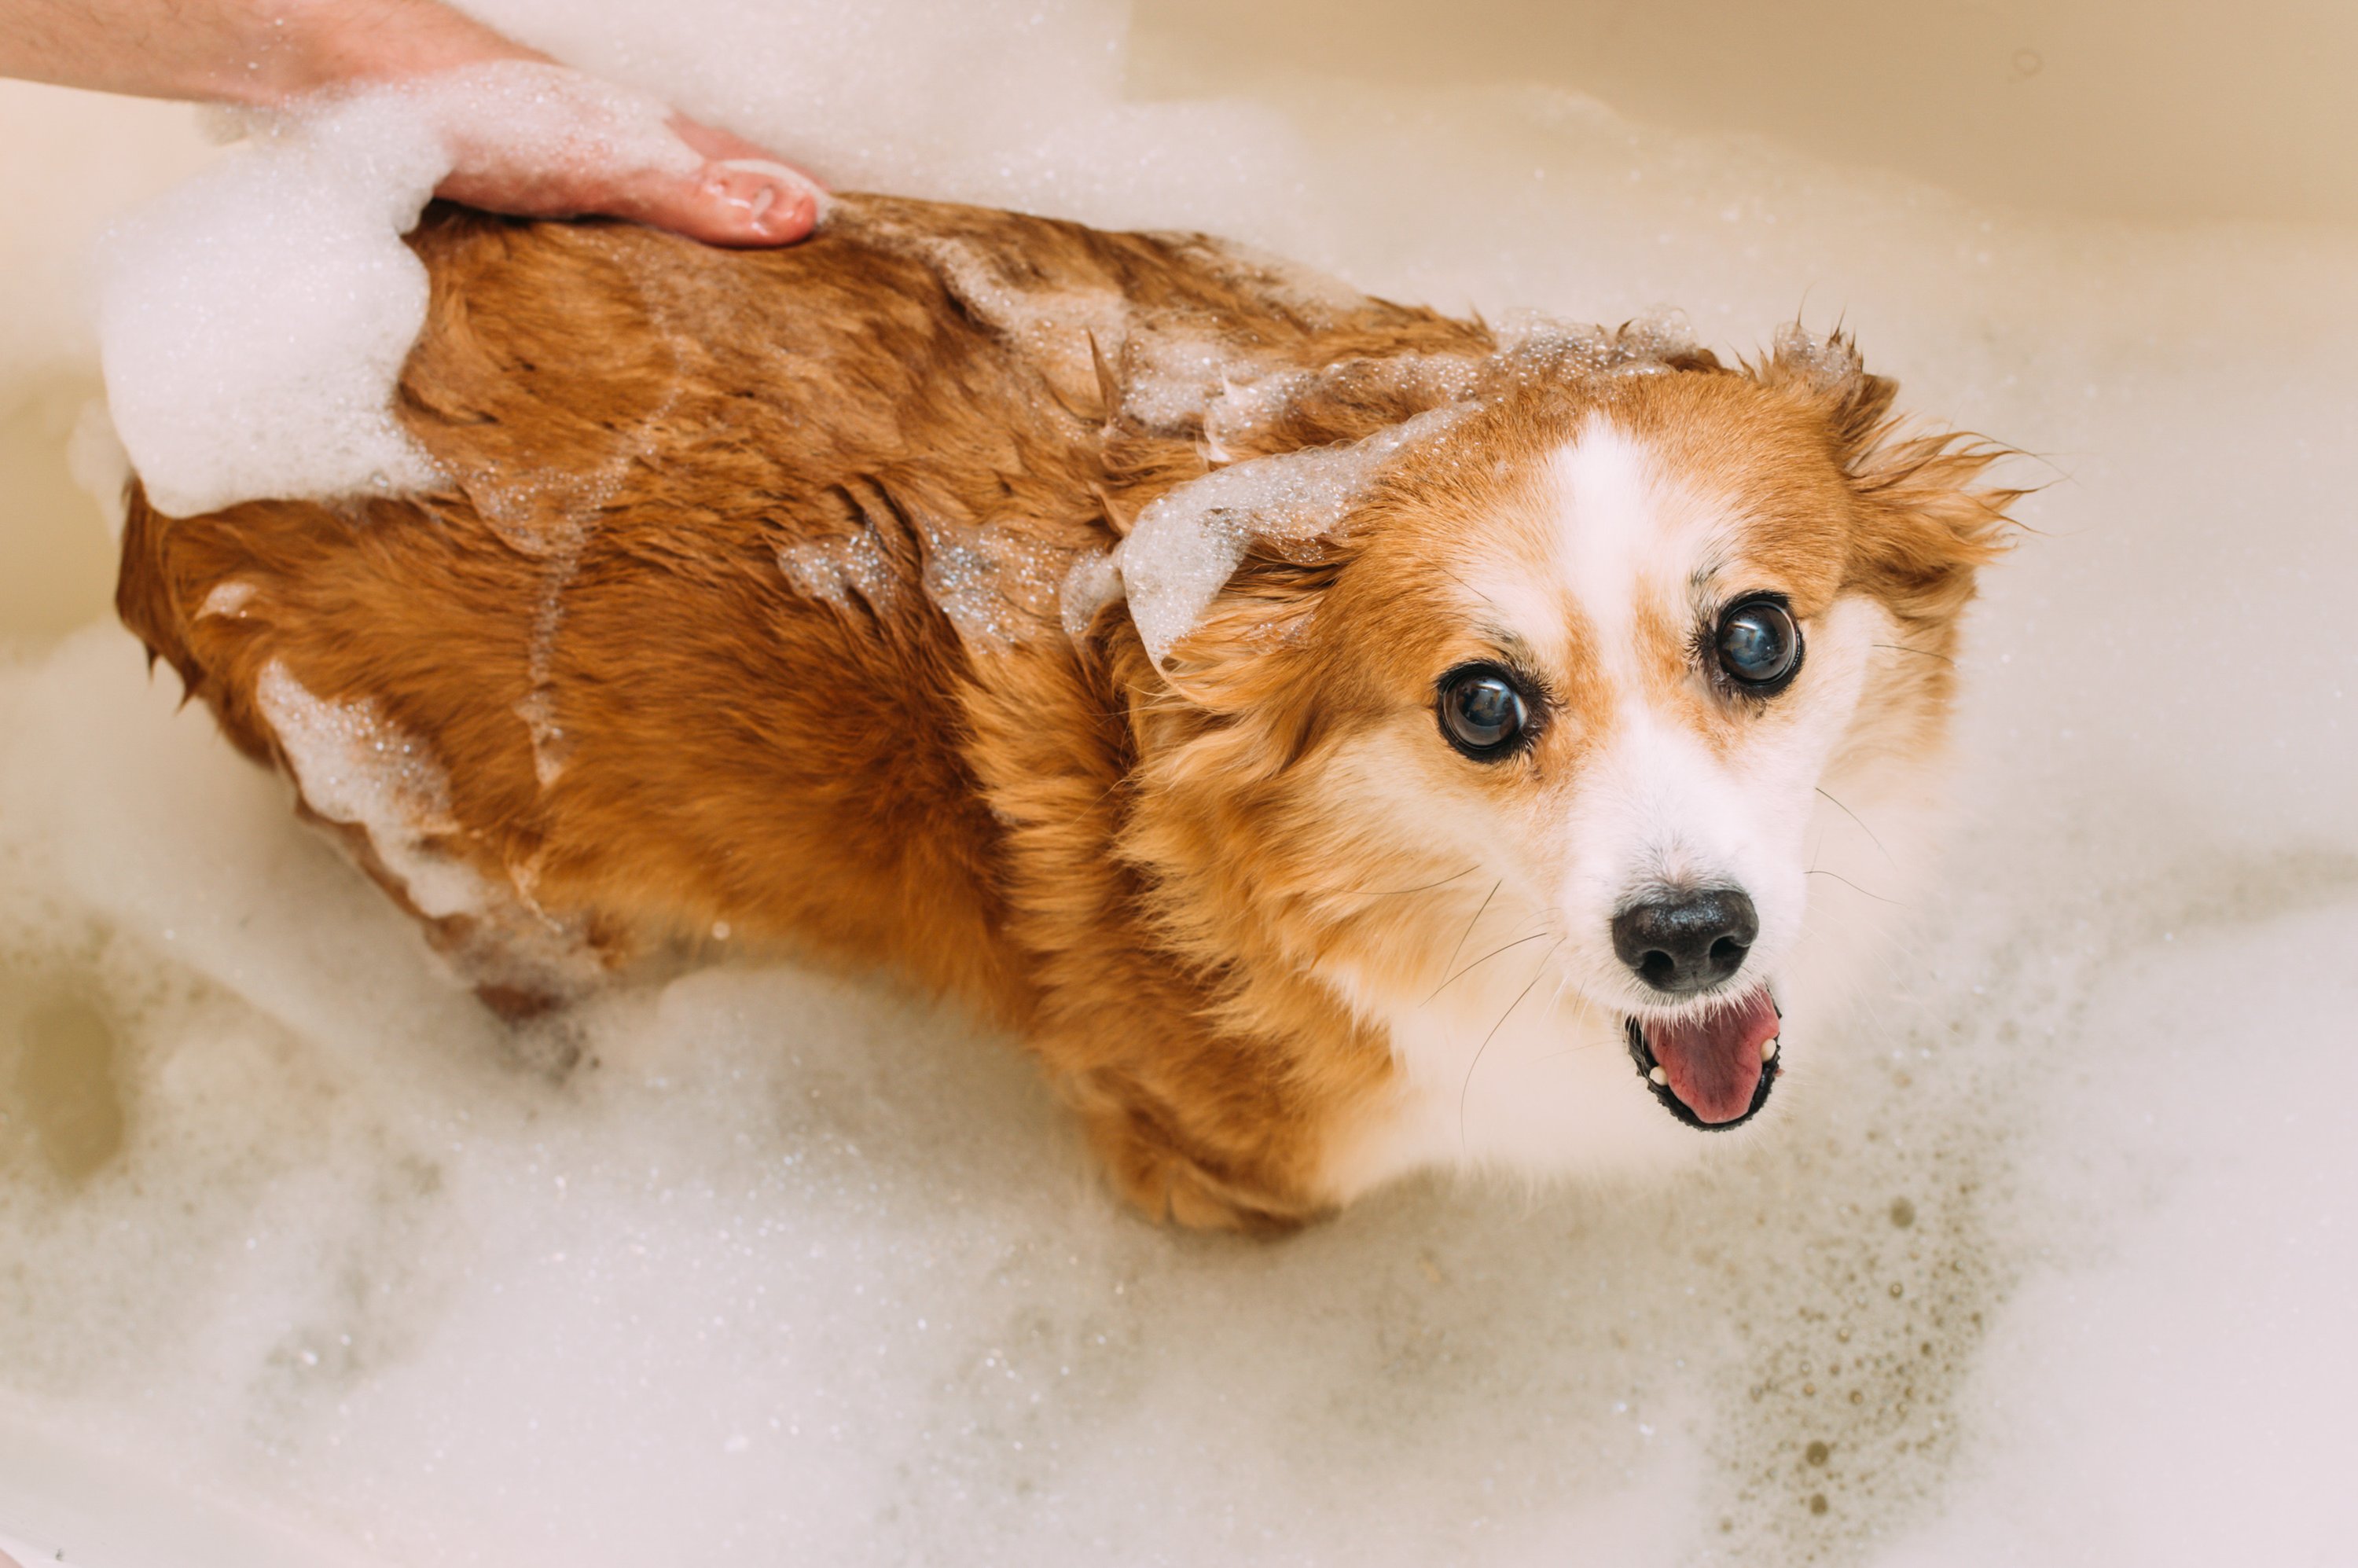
(1283, 709)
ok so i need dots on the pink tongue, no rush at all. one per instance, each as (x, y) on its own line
(1713, 1062)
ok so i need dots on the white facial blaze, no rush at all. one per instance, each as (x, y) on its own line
(1656, 807)
(1616, 542)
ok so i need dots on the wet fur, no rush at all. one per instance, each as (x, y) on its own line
(1133, 870)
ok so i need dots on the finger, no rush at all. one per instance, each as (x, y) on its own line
(742, 196)
(730, 201)
(730, 192)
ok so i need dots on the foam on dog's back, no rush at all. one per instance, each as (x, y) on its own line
(253, 321)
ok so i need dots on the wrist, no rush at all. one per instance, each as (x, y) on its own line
(293, 49)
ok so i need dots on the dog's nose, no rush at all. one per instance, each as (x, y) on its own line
(1684, 940)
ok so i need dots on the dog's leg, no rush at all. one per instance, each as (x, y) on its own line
(1173, 1174)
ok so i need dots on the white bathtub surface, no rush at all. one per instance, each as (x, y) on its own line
(61, 1502)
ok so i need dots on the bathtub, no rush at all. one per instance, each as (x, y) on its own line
(300, 1264)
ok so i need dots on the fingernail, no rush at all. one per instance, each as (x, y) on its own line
(771, 200)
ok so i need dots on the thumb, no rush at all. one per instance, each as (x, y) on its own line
(740, 195)
(538, 140)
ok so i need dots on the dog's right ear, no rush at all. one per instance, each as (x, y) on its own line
(1237, 554)
(1227, 690)
(1232, 533)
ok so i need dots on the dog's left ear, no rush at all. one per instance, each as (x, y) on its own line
(1854, 402)
(1929, 523)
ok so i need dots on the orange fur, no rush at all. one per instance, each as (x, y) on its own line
(646, 722)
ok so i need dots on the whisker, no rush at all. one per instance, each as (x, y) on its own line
(1469, 588)
(1852, 885)
(1477, 964)
(1855, 816)
(1920, 653)
(1470, 926)
(1397, 892)
(1467, 1087)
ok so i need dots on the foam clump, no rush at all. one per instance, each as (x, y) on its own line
(253, 322)
(996, 585)
(1536, 345)
(838, 570)
(1826, 361)
(356, 767)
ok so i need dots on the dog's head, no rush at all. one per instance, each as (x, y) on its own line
(1560, 666)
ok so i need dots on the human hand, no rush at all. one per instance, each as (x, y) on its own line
(594, 149)
(274, 54)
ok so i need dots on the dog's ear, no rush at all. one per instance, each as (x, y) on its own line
(1929, 523)
(1188, 614)
(1854, 402)
(1211, 601)
(1234, 558)
(1228, 693)
(1231, 541)
(1266, 607)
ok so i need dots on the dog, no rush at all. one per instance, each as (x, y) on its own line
(1279, 708)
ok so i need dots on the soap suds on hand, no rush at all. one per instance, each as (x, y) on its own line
(253, 322)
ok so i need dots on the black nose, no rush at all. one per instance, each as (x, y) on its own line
(1684, 940)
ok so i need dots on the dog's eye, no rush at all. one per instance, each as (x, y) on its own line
(1758, 643)
(1482, 711)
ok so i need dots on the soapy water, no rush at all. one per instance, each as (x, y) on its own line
(2041, 1259)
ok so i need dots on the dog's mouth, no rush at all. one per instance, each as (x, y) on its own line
(1714, 1071)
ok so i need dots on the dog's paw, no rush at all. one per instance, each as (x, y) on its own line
(1170, 1186)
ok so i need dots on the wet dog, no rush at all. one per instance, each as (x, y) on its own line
(1337, 738)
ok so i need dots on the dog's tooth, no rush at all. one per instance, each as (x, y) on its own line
(1660, 1076)
(1768, 1049)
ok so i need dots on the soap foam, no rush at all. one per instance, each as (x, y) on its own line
(796, 1268)
(254, 321)
(354, 767)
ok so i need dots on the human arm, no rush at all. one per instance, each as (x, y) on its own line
(267, 54)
